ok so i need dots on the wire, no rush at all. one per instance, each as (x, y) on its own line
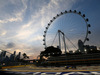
(6, 51)
(54, 38)
(70, 41)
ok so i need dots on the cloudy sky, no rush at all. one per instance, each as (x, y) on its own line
(22, 22)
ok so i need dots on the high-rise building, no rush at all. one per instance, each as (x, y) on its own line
(18, 56)
(14, 52)
(4, 53)
(14, 55)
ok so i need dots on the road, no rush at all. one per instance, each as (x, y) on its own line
(33, 70)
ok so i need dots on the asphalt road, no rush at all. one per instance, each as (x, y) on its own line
(33, 70)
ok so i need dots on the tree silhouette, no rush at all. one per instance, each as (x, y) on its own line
(25, 56)
(51, 51)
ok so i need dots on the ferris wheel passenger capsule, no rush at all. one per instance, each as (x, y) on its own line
(75, 11)
(46, 27)
(70, 10)
(43, 39)
(83, 15)
(45, 31)
(61, 13)
(89, 32)
(65, 11)
(43, 43)
(89, 25)
(51, 21)
(48, 24)
(54, 18)
(87, 19)
(87, 39)
(79, 12)
(57, 15)
(43, 35)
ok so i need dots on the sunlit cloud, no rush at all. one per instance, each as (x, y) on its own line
(11, 20)
(16, 14)
(32, 30)
(22, 23)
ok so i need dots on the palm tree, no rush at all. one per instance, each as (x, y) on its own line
(25, 56)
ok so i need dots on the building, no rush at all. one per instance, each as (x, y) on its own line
(12, 56)
(74, 59)
(18, 56)
(89, 56)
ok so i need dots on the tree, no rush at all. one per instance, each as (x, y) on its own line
(51, 51)
(25, 56)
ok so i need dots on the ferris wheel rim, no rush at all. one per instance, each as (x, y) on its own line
(66, 12)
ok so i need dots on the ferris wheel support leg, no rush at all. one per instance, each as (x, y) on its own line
(64, 43)
(59, 39)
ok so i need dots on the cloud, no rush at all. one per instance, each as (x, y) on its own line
(10, 45)
(22, 23)
(24, 34)
(40, 19)
(36, 38)
(11, 20)
(2, 32)
(14, 11)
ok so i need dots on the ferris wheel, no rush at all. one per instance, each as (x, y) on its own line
(72, 23)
